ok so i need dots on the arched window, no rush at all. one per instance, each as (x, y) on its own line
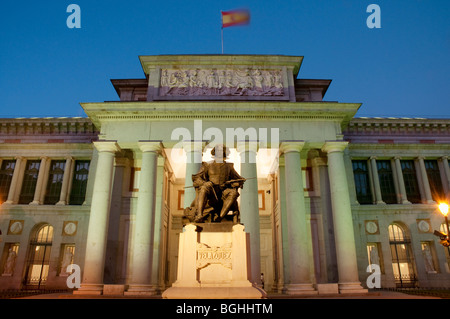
(39, 256)
(402, 261)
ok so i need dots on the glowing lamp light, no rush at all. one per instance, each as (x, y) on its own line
(443, 207)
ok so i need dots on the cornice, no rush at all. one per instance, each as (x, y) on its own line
(397, 126)
(398, 146)
(47, 126)
(216, 60)
(170, 111)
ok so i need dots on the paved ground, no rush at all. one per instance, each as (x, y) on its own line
(371, 295)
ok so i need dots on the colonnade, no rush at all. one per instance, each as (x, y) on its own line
(300, 281)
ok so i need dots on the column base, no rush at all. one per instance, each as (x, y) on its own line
(89, 289)
(300, 289)
(140, 290)
(352, 288)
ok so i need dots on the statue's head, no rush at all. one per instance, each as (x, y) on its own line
(221, 150)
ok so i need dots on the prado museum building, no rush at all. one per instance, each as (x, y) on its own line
(331, 203)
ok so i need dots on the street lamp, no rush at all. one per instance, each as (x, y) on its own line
(443, 207)
(445, 239)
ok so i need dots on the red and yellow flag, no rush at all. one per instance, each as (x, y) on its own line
(235, 17)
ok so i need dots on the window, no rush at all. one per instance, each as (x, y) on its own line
(434, 178)
(54, 183)
(6, 174)
(39, 257)
(79, 183)
(402, 264)
(386, 182)
(410, 179)
(361, 176)
(29, 181)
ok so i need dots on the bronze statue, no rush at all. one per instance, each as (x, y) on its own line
(216, 190)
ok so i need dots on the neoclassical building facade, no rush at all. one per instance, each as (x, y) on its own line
(330, 197)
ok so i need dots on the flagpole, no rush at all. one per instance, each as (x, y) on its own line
(222, 39)
(221, 23)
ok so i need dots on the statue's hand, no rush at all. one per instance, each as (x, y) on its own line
(208, 184)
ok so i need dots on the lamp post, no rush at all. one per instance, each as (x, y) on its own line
(445, 239)
(443, 207)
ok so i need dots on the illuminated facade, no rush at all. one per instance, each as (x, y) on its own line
(334, 197)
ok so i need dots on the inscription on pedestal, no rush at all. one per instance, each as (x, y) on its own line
(207, 255)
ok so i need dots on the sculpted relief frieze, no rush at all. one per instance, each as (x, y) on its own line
(221, 82)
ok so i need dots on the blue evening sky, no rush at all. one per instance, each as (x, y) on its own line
(400, 70)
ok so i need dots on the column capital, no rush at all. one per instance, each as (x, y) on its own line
(334, 146)
(107, 146)
(373, 158)
(250, 146)
(291, 146)
(397, 157)
(150, 146)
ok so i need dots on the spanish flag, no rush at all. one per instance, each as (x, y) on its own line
(235, 17)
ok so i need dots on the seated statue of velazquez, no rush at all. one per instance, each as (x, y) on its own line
(216, 190)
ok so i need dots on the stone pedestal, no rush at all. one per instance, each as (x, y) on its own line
(213, 263)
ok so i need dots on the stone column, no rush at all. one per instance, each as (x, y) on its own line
(249, 205)
(143, 226)
(98, 221)
(284, 223)
(376, 181)
(401, 182)
(157, 237)
(426, 183)
(299, 243)
(40, 181)
(65, 182)
(342, 218)
(18, 170)
(193, 151)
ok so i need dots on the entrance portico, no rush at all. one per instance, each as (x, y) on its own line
(165, 128)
